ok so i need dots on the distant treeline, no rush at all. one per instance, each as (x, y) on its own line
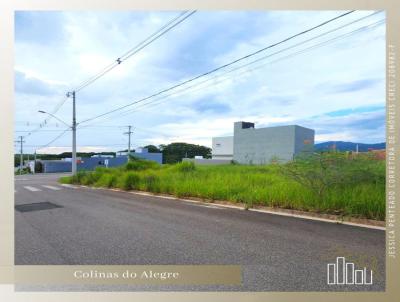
(348, 146)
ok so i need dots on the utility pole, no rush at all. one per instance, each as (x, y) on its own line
(73, 131)
(21, 153)
(34, 163)
(129, 139)
(27, 160)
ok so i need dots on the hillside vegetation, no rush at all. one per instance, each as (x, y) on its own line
(348, 146)
(332, 183)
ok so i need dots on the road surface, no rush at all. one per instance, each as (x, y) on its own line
(99, 226)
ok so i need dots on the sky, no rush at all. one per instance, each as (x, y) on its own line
(331, 79)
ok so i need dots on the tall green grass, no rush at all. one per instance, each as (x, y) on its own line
(266, 185)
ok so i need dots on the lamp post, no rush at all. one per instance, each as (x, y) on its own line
(52, 115)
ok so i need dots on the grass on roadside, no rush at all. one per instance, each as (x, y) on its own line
(341, 186)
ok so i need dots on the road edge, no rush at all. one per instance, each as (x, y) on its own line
(329, 218)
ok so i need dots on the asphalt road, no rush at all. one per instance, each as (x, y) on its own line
(98, 226)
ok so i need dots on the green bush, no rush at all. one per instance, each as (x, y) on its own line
(23, 171)
(91, 178)
(129, 181)
(107, 180)
(66, 180)
(185, 167)
(78, 177)
(327, 183)
(102, 170)
(138, 165)
(151, 183)
(321, 172)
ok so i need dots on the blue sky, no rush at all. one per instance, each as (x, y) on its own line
(333, 85)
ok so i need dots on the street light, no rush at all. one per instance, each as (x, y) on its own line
(41, 111)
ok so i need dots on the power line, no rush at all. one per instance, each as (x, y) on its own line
(52, 141)
(118, 61)
(28, 124)
(160, 32)
(366, 27)
(101, 126)
(290, 55)
(114, 63)
(220, 67)
(104, 126)
(87, 145)
(182, 91)
(42, 130)
(47, 119)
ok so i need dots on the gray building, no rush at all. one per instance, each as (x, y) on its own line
(144, 153)
(85, 163)
(264, 145)
(91, 163)
(55, 166)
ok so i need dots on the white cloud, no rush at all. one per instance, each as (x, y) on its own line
(58, 150)
(290, 90)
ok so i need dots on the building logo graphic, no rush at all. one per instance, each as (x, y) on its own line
(344, 273)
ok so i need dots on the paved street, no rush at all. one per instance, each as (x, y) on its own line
(97, 226)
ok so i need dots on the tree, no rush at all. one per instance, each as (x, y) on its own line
(317, 171)
(152, 149)
(173, 153)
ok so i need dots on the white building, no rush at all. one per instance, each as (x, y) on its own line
(264, 145)
(250, 145)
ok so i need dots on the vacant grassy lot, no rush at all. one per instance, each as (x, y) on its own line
(333, 184)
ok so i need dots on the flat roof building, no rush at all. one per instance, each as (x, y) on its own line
(249, 145)
(264, 145)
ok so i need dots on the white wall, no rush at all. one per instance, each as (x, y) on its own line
(222, 147)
